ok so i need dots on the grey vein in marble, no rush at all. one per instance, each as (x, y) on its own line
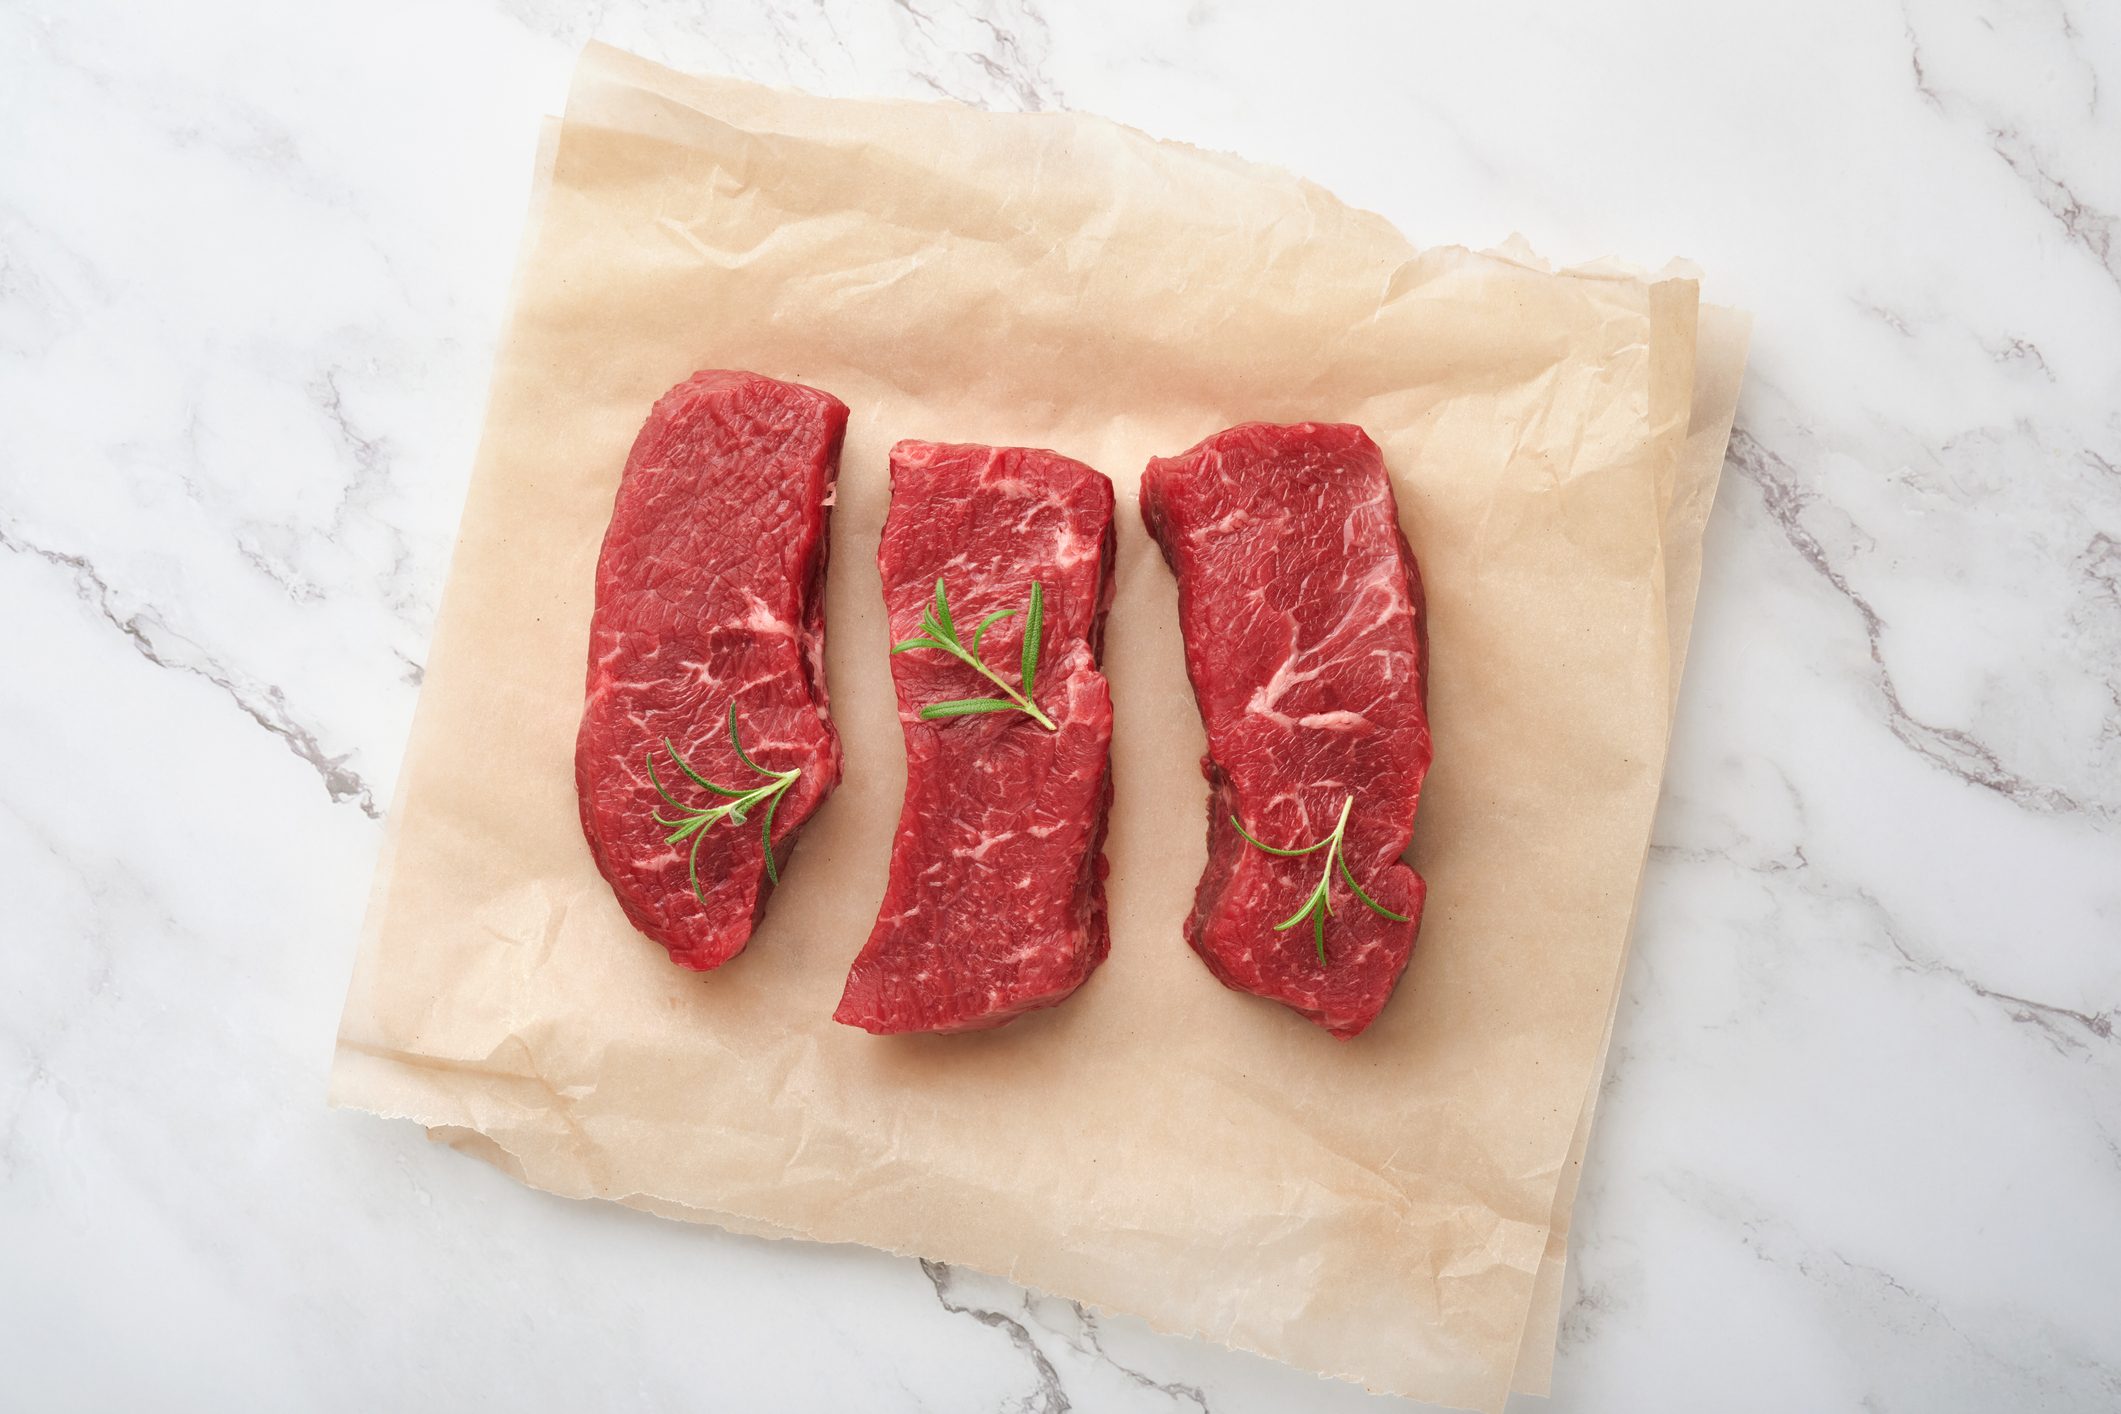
(2082, 222)
(2069, 1030)
(1013, 76)
(1863, 1290)
(1178, 1391)
(2058, 1023)
(265, 706)
(1950, 748)
(1049, 1397)
(1077, 1347)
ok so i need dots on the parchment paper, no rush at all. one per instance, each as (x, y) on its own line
(1720, 352)
(1376, 1210)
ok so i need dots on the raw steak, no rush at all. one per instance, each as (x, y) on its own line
(1302, 614)
(710, 594)
(996, 903)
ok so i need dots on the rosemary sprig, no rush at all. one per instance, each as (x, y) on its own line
(939, 631)
(692, 821)
(1318, 905)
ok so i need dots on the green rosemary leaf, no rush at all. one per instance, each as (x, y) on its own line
(965, 707)
(693, 821)
(1239, 826)
(1034, 627)
(741, 754)
(657, 782)
(942, 612)
(1319, 904)
(766, 839)
(697, 778)
(1310, 905)
(995, 617)
(1370, 903)
(939, 632)
(693, 868)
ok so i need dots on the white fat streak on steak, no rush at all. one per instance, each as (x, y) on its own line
(996, 901)
(1301, 609)
(709, 592)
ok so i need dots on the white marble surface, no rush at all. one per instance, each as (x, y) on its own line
(1861, 1140)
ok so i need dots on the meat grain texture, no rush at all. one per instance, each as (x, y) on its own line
(710, 592)
(1301, 608)
(996, 899)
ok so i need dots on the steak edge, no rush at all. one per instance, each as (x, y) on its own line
(1304, 625)
(710, 594)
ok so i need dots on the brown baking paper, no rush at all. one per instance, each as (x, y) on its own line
(1719, 363)
(1375, 1210)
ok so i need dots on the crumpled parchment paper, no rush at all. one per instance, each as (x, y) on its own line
(1379, 1210)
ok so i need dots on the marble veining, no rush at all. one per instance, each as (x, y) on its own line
(264, 704)
(1046, 1330)
(1860, 1133)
